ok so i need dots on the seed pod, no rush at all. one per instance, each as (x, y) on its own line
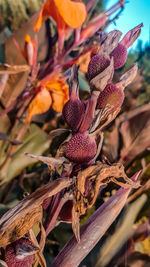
(73, 112)
(98, 64)
(112, 95)
(120, 56)
(26, 259)
(81, 148)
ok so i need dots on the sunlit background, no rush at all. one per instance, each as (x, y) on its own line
(135, 12)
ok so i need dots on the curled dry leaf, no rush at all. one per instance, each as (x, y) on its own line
(53, 163)
(20, 219)
(92, 230)
(98, 175)
(129, 76)
(111, 41)
(88, 184)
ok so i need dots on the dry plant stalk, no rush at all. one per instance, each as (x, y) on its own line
(20, 219)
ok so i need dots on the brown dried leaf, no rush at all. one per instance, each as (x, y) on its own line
(14, 86)
(129, 76)
(8, 69)
(111, 41)
(20, 219)
(96, 176)
(76, 223)
(39, 254)
(49, 161)
(3, 82)
(92, 230)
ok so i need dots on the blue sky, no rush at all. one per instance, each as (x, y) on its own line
(135, 12)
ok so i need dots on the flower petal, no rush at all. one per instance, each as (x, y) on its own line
(59, 93)
(73, 13)
(40, 104)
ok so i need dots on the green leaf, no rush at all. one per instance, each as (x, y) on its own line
(35, 141)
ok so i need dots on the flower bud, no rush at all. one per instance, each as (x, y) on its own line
(81, 148)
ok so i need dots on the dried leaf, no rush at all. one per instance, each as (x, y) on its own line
(76, 223)
(111, 41)
(52, 163)
(129, 76)
(3, 82)
(19, 220)
(96, 175)
(3, 263)
(8, 69)
(92, 230)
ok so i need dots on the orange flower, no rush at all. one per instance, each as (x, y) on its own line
(30, 50)
(55, 92)
(66, 13)
(59, 90)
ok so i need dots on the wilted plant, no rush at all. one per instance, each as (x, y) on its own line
(76, 175)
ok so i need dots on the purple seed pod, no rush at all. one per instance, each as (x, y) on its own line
(73, 112)
(81, 148)
(112, 96)
(98, 64)
(13, 260)
(120, 56)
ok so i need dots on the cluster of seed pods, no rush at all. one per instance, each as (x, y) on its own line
(85, 118)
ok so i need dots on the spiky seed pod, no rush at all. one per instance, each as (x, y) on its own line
(98, 64)
(81, 148)
(120, 56)
(112, 96)
(11, 257)
(73, 112)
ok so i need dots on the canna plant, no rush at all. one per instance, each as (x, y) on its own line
(77, 176)
(78, 172)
